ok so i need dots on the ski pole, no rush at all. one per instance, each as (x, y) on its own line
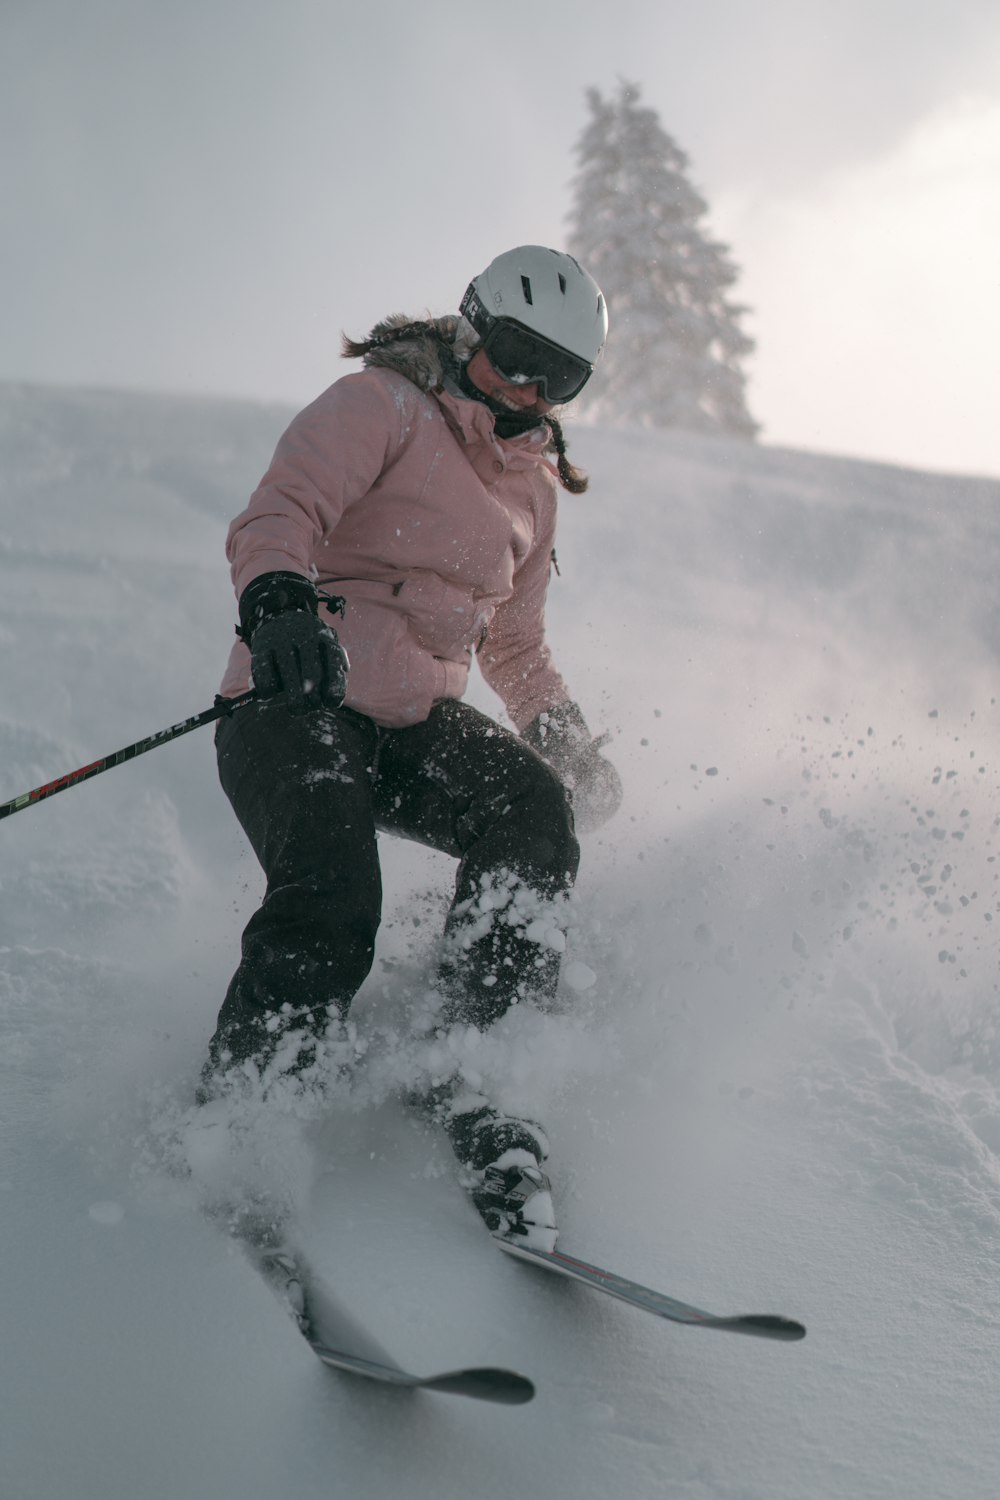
(220, 707)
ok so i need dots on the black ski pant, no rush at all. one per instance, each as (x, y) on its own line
(311, 792)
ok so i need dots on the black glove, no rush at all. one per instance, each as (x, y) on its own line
(560, 735)
(292, 650)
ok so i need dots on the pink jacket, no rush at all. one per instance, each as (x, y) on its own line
(437, 534)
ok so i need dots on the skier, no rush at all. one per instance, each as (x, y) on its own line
(406, 523)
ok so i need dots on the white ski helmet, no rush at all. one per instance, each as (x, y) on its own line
(540, 317)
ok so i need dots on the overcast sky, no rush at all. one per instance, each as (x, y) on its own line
(198, 195)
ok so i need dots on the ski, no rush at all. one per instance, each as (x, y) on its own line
(760, 1325)
(341, 1343)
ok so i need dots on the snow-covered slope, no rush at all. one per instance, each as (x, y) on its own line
(781, 1091)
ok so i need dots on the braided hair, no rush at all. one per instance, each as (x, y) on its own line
(571, 477)
(385, 333)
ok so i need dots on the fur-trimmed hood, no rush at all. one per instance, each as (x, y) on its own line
(430, 352)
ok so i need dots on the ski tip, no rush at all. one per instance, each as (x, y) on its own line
(769, 1326)
(505, 1387)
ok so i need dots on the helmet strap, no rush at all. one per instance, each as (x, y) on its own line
(506, 423)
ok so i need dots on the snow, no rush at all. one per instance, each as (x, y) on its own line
(771, 1083)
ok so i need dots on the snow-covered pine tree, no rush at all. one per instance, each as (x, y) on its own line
(674, 351)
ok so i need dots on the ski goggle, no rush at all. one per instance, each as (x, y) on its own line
(524, 357)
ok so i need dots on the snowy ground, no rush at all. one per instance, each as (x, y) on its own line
(780, 1093)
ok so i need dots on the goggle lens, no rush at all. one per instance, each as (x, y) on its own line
(525, 358)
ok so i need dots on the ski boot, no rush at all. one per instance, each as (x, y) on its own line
(514, 1199)
(502, 1158)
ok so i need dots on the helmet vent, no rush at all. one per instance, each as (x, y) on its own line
(562, 283)
(526, 289)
